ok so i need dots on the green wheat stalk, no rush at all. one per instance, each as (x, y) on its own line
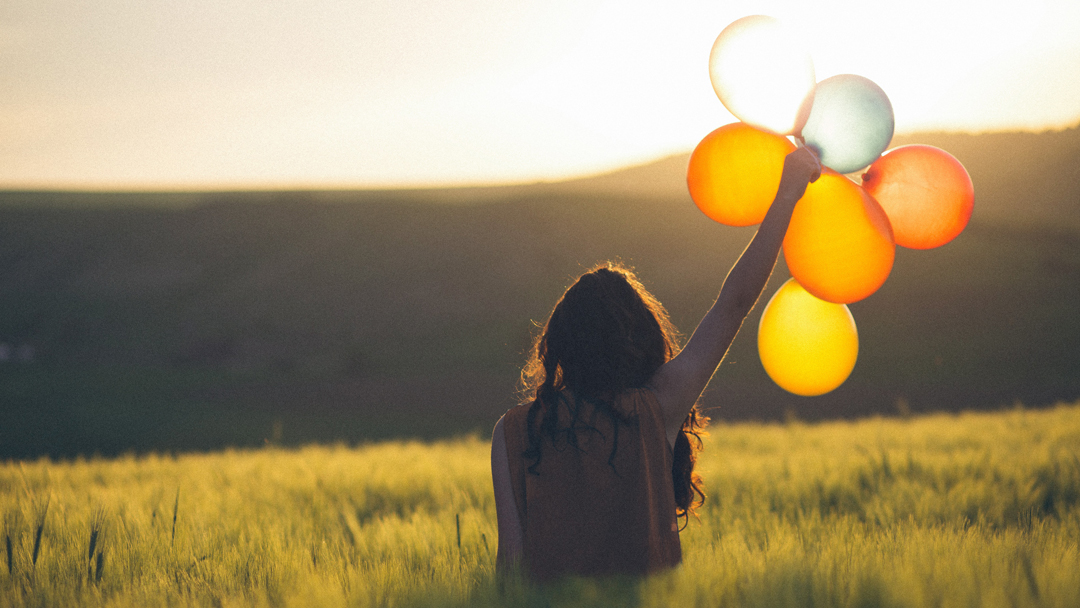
(97, 523)
(175, 509)
(12, 524)
(457, 523)
(37, 534)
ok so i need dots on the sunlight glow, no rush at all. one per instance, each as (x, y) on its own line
(763, 74)
(330, 94)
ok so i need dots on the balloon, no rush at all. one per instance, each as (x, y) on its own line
(807, 346)
(763, 74)
(734, 173)
(850, 124)
(926, 193)
(839, 244)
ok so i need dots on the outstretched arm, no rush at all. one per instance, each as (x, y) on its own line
(679, 382)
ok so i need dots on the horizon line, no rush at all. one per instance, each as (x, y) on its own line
(334, 186)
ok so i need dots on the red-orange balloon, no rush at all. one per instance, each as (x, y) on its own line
(839, 245)
(926, 193)
(735, 171)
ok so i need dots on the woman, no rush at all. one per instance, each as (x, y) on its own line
(591, 476)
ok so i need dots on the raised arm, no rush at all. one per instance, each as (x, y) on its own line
(679, 382)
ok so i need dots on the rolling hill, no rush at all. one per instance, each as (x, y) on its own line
(172, 321)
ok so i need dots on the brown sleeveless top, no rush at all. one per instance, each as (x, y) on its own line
(582, 517)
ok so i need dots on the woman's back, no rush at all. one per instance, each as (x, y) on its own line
(580, 514)
(588, 510)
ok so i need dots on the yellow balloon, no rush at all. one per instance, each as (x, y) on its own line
(807, 346)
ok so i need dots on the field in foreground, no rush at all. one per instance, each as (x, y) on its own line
(970, 510)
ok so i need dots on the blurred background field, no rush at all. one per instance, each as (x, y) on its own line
(170, 321)
(978, 509)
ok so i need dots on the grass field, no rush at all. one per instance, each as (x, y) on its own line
(970, 510)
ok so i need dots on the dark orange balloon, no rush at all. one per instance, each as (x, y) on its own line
(926, 193)
(839, 245)
(735, 171)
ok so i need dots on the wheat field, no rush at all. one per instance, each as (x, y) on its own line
(980, 509)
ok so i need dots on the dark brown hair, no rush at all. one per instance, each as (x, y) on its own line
(606, 335)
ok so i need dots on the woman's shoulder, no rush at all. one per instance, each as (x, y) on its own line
(514, 420)
(518, 409)
(631, 404)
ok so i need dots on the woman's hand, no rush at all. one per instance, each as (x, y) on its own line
(801, 168)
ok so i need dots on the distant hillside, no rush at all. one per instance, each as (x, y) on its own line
(1028, 179)
(195, 320)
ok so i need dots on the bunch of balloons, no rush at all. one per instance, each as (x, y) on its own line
(841, 242)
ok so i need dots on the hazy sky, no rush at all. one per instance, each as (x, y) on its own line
(332, 93)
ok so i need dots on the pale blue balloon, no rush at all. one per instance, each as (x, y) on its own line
(851, 122)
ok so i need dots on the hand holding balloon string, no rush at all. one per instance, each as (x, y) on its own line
(801, 168)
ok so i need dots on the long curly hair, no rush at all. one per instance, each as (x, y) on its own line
(606, 335)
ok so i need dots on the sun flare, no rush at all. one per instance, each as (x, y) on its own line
(356, 94)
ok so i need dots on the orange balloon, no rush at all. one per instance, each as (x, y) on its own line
(735, 171)
(926, 193)
(807, 346)
(839, 244)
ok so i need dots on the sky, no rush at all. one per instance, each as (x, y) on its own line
(204, 94)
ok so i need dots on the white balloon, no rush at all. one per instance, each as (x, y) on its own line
(763, 74)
